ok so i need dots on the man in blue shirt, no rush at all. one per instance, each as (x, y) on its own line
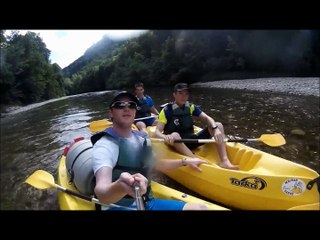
(145, 108)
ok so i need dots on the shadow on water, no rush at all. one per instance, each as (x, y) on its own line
(33, 139)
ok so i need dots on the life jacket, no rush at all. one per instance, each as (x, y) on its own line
(140, 162)
(178, 120)
(143, 109)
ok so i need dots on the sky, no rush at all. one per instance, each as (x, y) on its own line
(68, 45)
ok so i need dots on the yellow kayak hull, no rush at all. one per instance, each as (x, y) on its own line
(264, 181)
(70, 202)
(312, 206)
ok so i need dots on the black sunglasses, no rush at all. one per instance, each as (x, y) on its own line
(123, 104)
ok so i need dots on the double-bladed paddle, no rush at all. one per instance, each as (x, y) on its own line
(273, 140)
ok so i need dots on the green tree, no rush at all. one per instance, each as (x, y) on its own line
(27, 75)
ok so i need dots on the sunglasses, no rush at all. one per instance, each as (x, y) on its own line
(123, 104)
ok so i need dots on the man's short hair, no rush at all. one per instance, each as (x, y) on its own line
(139, 84)
(181, 87)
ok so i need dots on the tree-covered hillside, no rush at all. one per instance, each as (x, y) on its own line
(162, 57)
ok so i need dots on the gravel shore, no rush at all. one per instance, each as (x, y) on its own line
(298, 86)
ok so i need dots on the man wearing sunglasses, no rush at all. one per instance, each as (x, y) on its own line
(123, 158)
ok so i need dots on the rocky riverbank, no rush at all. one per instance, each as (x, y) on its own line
(298, 86)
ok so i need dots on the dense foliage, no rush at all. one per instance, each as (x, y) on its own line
(158, 57)
(26, 73)
(162, 57)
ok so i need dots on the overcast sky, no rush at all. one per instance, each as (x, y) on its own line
(68, 45)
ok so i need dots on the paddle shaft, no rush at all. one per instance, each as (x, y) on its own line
(138, 119)
(100, 125)
(90, 199)
(208, 140)
(273, 140)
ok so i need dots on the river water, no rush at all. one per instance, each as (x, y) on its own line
(33, 137)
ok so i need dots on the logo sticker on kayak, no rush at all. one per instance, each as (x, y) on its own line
(293, 187)
(253, 182)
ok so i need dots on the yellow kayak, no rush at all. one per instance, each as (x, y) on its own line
(68, 201)
(311, 206)
(264, 181)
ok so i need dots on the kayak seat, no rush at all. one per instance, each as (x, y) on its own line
(250, 161)
(246, 159)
